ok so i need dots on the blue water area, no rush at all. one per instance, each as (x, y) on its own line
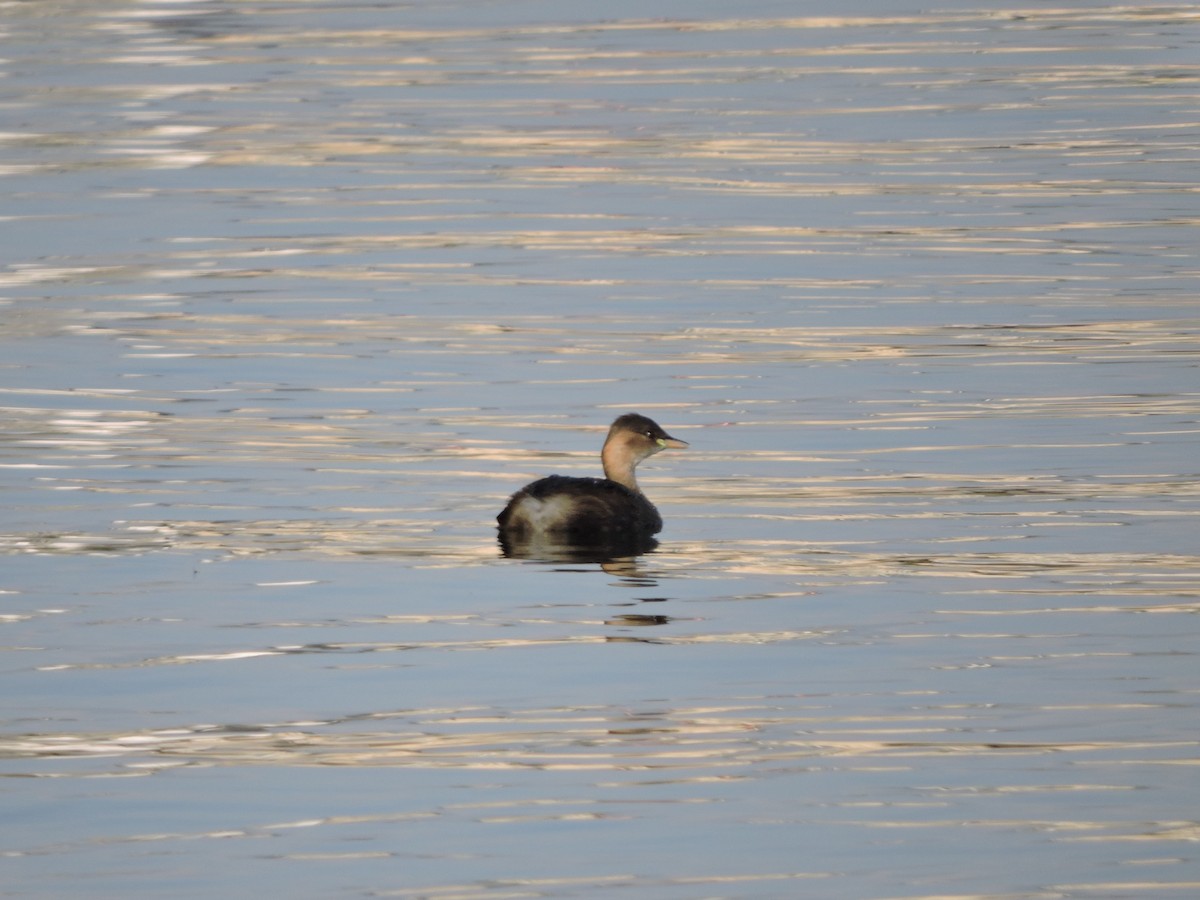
(294, 296)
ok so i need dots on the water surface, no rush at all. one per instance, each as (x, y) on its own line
(295, 294)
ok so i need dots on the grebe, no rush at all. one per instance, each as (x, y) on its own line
(608, 512)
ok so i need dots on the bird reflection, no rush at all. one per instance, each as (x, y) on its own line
(540, 547)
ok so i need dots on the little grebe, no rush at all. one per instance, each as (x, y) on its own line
(608, 511)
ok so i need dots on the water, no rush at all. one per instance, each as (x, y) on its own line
(295, 294)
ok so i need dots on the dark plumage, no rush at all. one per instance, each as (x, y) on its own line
(580, 510)
(610, 512)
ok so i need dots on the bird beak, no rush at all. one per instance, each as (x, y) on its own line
(674, 443)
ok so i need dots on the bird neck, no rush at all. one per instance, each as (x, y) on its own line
(619, 466)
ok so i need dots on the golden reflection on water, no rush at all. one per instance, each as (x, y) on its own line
(685, 745)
